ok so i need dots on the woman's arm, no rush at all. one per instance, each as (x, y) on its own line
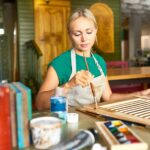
(51, 82)
(108, 95)
(47, 89)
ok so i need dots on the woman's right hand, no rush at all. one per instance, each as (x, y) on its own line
(82, 78)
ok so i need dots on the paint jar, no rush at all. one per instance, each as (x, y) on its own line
(58, 106)
(46, 131)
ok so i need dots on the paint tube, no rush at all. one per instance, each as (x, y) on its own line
(83, 139)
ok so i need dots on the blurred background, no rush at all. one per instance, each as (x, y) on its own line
(33, 32)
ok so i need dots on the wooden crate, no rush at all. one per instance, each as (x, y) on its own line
(120, 137)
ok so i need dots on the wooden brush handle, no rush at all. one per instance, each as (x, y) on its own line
(91, 84)
(92, 89)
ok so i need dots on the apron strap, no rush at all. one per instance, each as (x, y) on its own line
(73, 63)
(97, 64)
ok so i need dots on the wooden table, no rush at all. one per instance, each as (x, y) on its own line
(129, 75)
(85, 122)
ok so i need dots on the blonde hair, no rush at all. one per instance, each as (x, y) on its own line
(82, 12)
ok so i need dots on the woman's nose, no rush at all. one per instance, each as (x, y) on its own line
(83, 37)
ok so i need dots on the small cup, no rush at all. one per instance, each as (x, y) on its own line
(46, 131)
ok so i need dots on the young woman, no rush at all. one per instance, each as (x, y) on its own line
(76, 68)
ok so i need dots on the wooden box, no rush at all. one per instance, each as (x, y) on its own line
(119, 136)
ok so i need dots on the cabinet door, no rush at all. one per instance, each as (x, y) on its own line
(51, 31)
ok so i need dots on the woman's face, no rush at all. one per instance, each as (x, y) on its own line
(82, 34)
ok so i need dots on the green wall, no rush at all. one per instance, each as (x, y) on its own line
(25, 17)
(116, 8)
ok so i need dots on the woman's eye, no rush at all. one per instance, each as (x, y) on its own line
(77, 34)
(90, 32)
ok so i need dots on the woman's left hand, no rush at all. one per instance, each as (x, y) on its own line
(145, 92)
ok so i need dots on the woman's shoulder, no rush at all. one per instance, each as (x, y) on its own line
(61, 64)
(62, 58)
(63, 55)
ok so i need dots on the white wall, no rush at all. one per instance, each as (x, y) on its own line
(145, 42)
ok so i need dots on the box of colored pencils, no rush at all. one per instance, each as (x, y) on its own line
(119, 136)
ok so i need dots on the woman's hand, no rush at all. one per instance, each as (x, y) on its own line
(145, 92)
(82, 78)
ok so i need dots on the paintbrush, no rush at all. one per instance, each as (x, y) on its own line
(91, 84)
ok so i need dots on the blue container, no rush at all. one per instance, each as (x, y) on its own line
(58, 105)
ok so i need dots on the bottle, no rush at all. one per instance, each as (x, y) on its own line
(58, 104)
(59, 91)
(83, 139)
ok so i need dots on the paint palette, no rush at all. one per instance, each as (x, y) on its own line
(118, 136)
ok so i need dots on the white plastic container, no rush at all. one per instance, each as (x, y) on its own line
(46, 131)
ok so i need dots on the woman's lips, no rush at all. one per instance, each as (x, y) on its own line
(84, 45)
